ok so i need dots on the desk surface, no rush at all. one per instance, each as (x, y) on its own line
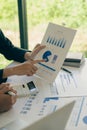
(47, 100)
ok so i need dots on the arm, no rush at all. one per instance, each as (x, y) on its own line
(25, 68)
(10, 51)
(14, 53)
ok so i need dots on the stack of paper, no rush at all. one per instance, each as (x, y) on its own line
(74, 59)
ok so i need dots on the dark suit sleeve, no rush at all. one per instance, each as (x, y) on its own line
(2, 79)
(9, 50)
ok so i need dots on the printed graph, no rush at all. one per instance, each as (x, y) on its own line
(50, 98)
(47, 106)
(49, 57)
(85, 120)
(61, 42)
(46, 56)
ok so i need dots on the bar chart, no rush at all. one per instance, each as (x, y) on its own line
(61, 42)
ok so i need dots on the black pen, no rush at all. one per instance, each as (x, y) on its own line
(66, 70)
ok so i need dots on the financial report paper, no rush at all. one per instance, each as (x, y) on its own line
(58, 40)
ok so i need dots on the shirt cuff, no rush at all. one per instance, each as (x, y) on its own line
(1, 75)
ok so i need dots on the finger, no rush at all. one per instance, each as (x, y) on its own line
(36, 50)
(34, 68)
(40, 47)
(36, 46)
(13, 99)
(37, 61)
(4, 85)
(5, 89)
(13, 90)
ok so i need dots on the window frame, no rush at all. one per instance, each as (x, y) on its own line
(22, 15)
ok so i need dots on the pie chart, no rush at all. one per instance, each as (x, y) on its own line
(85, 119)
(46, 55)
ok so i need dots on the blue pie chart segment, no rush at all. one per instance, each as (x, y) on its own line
(46, 55)
(85, 120)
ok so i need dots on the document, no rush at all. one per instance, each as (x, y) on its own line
(72, 84)
(78, 117)
(58, 40)
(33, 107)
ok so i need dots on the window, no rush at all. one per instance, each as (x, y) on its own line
(68, 13)
(9, 23)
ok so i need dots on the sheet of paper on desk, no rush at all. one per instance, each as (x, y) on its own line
(58, 40)
(36, 106)
(40, 107)
(33, 107)
(78, 117)
(10, 115)
(72, 85)
(65, 85)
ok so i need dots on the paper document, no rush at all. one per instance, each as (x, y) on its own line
(33, 107)
(78, 117)
(58, 40)
(72, 85)
(53, 121)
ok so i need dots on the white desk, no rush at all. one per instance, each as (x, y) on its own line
(46, 101)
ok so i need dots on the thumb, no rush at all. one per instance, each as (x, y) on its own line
(37, 61)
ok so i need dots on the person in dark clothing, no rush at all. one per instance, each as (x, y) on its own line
(25, 67)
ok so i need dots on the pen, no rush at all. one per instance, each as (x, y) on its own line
(11, 93)
(66, 70)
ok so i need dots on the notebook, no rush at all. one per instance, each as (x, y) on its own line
(74, 59)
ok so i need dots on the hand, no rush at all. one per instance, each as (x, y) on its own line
(5, 87)
(26, 68)
(6, 101)
(36, 50)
